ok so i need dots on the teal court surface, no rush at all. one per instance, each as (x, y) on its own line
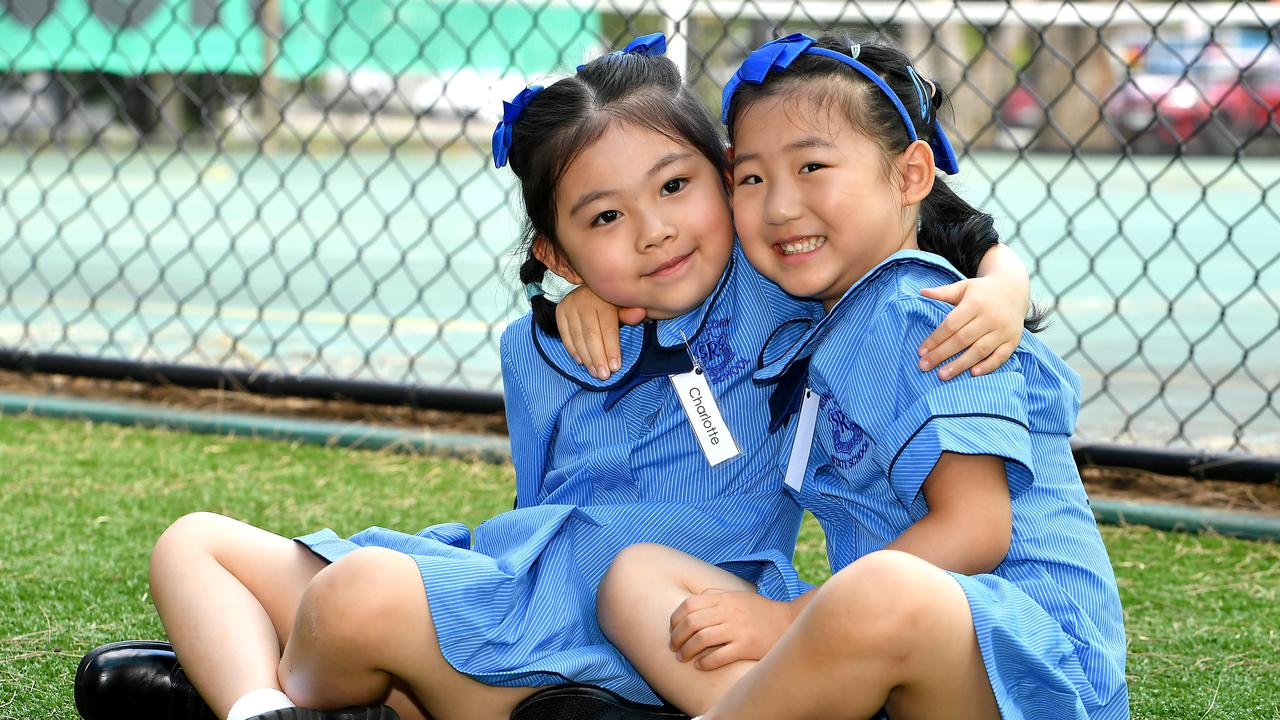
(1164, 273)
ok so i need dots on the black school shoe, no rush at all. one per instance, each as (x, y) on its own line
(585, 702)
(368, 712)
(136, 679)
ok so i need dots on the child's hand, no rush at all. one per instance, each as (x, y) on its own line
(589, 329)
(718, 627)
(986, 324)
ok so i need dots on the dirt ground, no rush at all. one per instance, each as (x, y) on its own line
(1116, 483)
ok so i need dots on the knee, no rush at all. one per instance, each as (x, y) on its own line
(357, 600)
(882, 601)
(637, 570)
(190, 534)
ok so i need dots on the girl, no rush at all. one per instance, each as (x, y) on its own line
(444, 625)
(970, 580)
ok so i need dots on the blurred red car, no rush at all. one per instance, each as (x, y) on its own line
(1198, 97)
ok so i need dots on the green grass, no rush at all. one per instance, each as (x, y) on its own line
(82, 503)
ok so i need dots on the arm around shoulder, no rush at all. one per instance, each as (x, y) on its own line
(964, 444)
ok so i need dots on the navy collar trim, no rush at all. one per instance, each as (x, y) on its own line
(802, 346)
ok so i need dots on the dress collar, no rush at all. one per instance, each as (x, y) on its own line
(794, 345)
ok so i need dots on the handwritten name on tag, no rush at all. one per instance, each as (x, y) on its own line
(799, 459)
(708, 424)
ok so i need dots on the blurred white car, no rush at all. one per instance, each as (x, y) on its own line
(465, 93)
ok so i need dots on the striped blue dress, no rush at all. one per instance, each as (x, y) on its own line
(601, 465)
(1048, 618)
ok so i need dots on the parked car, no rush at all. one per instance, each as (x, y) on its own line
(1020, 114)
(465, 93)
(1198, 96)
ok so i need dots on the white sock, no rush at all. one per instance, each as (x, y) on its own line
(256, 702)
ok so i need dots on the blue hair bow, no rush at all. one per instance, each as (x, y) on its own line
(781, 53)
(510, 113)
(653, 45)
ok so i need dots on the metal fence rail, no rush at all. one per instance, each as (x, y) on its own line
(294, 194)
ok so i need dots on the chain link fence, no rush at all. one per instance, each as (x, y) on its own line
(302, 188)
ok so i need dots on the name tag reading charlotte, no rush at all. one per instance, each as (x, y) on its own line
(704, 416)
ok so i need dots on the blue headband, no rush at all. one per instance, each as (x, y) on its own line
(779, 54)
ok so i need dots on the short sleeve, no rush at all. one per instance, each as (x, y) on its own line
(914, 416)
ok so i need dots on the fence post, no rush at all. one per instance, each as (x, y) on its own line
(675, 15)
(269, 89)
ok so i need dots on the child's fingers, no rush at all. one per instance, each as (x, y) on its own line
(612, 343)
(691, 625)
(703, 640)
(718, 657)
(951, 294)
(954, 322)
(631, 316)
(571, 346)
(691, 604)
(997, 358)
(952, 345)
(977, 352)
(593, 344)
(564, 323)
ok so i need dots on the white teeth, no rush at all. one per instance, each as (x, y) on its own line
(809, 244)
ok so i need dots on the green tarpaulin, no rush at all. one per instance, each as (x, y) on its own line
(133, 37)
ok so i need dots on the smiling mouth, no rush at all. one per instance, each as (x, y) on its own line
(671, 265)
(805, 244)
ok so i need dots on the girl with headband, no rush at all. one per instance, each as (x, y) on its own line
(969, 578)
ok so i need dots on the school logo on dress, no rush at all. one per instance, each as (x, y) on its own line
(849, 444)
(716, 354)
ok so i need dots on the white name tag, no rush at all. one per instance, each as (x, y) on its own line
(799, 459)
(704, 416)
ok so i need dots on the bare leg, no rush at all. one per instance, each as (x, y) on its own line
(889, 630)
(365, 620)
(227, 593)
(644, 586)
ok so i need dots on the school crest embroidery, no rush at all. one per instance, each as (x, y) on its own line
(716, 354)
(849, 444)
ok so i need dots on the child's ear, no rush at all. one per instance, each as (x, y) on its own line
(550, 255)
(915, 167)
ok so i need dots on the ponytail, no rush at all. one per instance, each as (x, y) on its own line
(533, 271)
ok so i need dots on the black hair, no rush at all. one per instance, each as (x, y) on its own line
(572, 113)
(949, 226)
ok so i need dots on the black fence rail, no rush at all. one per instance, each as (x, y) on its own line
(296, 196)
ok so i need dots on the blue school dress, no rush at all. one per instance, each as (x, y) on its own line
(1048, 618)
(601, 465)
